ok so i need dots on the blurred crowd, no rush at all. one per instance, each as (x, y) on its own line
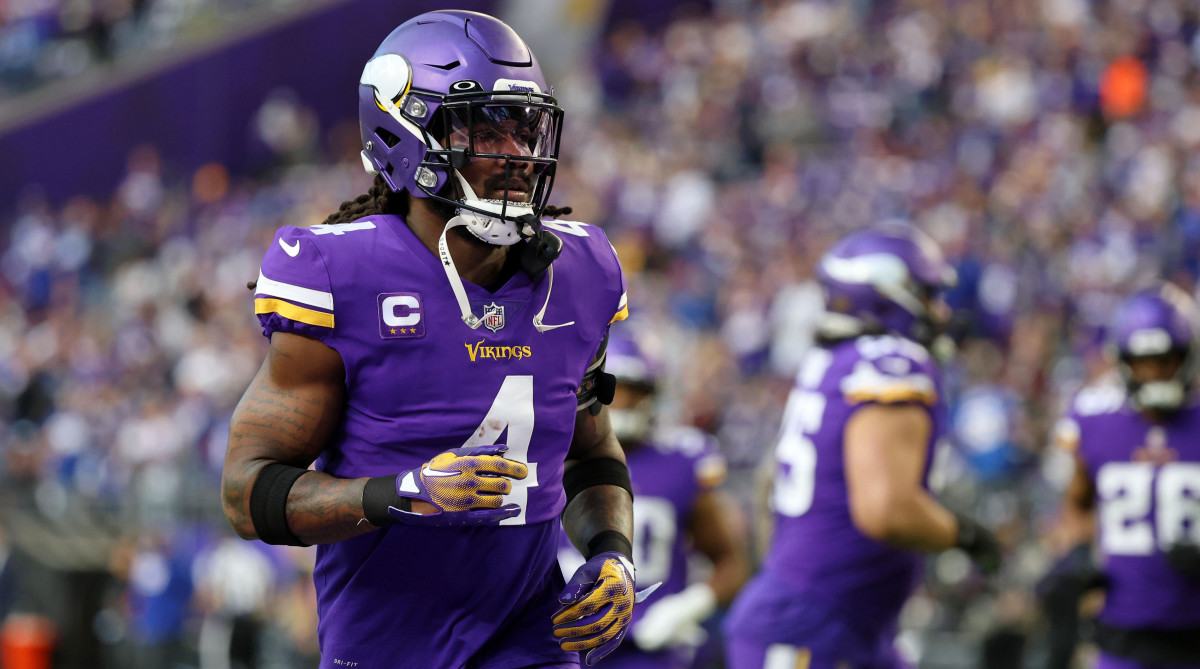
(127, 338)
(1047, 145)
(46, 40)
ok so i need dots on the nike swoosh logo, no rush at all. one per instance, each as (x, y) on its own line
(542, 327)
(291, 249)
(436, 472)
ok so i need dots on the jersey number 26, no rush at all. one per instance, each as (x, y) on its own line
(1128, 490)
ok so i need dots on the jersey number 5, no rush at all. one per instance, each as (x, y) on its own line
(796, 455)
(512, 410)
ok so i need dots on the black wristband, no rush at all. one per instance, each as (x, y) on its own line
(596, 471)
(378, 494)
(610, 540)
(268, 504)
(979, 543)
(968, 533)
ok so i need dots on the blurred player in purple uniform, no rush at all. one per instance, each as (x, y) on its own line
(1136, 488)
(437, 351)
(850, 499)
(676, 510)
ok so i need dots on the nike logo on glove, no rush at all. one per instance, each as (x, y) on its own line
(291, 249)
(436, 472)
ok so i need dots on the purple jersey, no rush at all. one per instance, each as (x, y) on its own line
(1147, 482)
(816, 549)
(418, 382)
(667, 474)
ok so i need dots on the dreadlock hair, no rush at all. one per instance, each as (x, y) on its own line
(379, 199)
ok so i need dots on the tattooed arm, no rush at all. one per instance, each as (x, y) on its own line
(286, 416)
(602, 507)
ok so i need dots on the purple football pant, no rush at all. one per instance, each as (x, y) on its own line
(474, 598)
(523, 636)
(1106, 661)
(771, 626)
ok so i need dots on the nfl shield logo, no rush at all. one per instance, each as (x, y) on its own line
(493, 317)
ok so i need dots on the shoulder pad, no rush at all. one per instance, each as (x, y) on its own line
(605, 268)
(813, 367)
(711, 470)
(687, 441)
(891, 375)
(340, 229)
(700, 449)
(1099, 399)
(873, 347)
(570, 228)
(1066, 433)
(293, 292)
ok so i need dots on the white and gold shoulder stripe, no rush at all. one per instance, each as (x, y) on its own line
(1066, 434)
(622, 309)
(293, 293)
(278, 297)
(866, 383)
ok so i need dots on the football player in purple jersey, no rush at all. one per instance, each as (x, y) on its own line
(436, 351)
(852, 510)
(1136, 489)
(677, 512)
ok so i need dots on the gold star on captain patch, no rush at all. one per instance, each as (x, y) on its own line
(412, 331)
(393, 330)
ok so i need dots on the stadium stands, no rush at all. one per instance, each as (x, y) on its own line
(1049, 147)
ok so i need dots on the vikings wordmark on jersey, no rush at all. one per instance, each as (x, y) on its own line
(419, 381)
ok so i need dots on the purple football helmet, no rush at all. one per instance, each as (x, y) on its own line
(1155, 322)
(445, 88)
(884, 279)
(627, 361)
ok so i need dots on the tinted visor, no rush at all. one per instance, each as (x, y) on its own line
(508, 130)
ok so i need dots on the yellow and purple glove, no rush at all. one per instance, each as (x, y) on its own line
(465, 484)
(597, 606)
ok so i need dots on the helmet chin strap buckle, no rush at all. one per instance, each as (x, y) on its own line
(541, 246)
